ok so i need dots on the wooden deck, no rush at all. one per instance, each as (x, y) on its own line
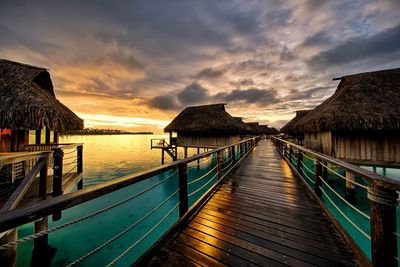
(261, 216)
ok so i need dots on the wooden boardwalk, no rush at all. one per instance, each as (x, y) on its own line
(261, 216)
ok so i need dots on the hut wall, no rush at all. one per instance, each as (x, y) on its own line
(199, 141)
(5, 140)
(372, 147)
(320, 141)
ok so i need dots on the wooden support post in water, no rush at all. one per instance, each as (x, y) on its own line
(185, 149)
(350, 187)
(183, 193)
(40, 255)
(43, 180)
(79, 168)
(58, 155)
(219, 164)
(162, 156)
(9, 256)
(79, 155)
(38, 137)
(383, 204)
(317, 177)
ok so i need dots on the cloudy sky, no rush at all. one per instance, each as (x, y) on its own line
(136, 64)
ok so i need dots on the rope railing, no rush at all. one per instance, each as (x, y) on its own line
(305, 155)
(345, 201)
(343, 177)
(344, 215)
(203, 176)
(83, 218)
(227, 166)
(195, 165)
(201, 187)
(97, 249)
(308, 169)
(306, 176)
(123, 254)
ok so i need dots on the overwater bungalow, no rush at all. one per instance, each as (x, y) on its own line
(267, 130)
(28, 103)
(206, 126)
(360, 122)
(290, 132)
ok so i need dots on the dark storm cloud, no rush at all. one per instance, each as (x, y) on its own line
(383, 44)
(316, 92)
(193, 94)
(250, 96)
(320, 38)
(243, 82)
(209, 73)
(164, 102)
(196, 94)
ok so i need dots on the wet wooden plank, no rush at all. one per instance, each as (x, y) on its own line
(261, 216)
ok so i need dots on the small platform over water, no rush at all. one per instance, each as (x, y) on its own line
(261, 216)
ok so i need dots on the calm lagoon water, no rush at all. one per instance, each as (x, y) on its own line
(107, 158)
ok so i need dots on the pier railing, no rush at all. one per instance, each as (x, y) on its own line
(362, 204)
(184, 185)
(66, 160)
(21, 168)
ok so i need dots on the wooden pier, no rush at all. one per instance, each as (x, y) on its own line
(261, 216)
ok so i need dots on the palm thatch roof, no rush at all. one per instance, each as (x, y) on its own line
(289, 126)
(28, 101)
(255, 127)
(206, 120)
(367, 101)
(249, 130)
(268, 130)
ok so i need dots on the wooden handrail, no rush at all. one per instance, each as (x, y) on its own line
(14, 218)
(380, 180)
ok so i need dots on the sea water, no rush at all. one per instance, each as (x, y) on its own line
(110, 235)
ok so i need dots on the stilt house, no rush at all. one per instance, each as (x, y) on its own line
(206, 126)
(360, 122)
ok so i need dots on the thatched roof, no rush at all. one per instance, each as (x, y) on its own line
(268, 130)
(28, 101)
(255, 127)
(289, 126)
(362, 102)
(206, 120)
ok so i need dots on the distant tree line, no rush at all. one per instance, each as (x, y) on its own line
(93, 131)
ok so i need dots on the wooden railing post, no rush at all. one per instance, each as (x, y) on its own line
(79, 155)
(299, 160)
(383, 204)
(290, 155)
(241, 150)
(318, 182)
(219, 164)
(58, 156)
(233, 155)
(43, 179)
(183, 193)
(350, 187)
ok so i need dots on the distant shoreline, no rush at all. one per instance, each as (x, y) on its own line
(77, 133)
(90, 131)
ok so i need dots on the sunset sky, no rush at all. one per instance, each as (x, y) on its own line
(134, 65)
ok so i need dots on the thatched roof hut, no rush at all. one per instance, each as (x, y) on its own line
(267, 130)
(367, 101)
(360, 122)
(289, 126)
(255, 127)
(28, 101)
(206, 120)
